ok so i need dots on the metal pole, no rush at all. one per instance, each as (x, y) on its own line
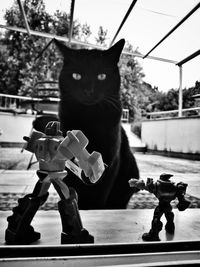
(24, 16)
(73, 41)
(174, 28)
(71, 20)
(123, 21)
(185, 60)
(41, 53)
(180, 102)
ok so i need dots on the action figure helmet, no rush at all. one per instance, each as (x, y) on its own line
(165, 176)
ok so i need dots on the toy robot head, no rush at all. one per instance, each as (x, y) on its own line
(165, 176)
(53, 129)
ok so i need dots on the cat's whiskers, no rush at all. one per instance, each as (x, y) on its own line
(108, 102)
(113, 99)
(113, 102)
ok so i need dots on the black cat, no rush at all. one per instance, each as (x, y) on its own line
(90, 101)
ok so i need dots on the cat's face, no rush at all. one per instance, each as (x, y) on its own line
(90, 76)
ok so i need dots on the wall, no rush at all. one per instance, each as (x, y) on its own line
(14, 127)
(180, 135)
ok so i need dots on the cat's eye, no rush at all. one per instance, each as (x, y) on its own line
(101, 76)
(76, 76)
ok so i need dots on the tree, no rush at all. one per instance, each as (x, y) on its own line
(131, 83)
(20, 68)
(4, 68)
(188, 100)
(84, 32)
(160, 101)
(102, 36)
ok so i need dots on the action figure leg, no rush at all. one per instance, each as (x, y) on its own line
(156, 226)
(170, 226)
(72, 228)
(19, 230)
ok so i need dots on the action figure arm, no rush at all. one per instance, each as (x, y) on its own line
(181, 191)
(74, 145)
(30, 145)
(140, 184)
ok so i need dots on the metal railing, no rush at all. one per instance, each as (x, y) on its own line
(173, 113)
(125, 115)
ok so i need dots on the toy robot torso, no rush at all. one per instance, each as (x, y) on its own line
(45, 151)
(165, 190)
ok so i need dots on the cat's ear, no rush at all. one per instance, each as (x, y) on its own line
(115, 51)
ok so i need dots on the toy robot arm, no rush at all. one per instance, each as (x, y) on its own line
(74, 146)
(140, 184)
(181, 191)
(181, 188)
(151, 186)
(30, 145)
(95, 168)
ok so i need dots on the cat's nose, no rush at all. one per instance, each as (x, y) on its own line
(89, 91)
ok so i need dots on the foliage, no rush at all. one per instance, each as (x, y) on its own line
(132, 85)
(188, 100)
(20, 68)
(102, 36)
(169, 100)
(136, 128)
(5, 60)
(84, 32)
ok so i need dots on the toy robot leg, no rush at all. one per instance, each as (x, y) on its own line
(19, 231)
(153, 234)
(170, 226)
(72, 228)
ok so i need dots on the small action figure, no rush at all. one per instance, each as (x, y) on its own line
(54, 152)
(166, 191)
